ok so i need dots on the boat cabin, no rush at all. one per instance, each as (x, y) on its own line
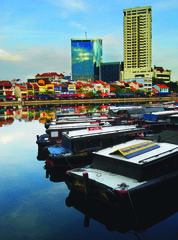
(159, 116)
(95, 138)
(139, 159)
(55, 131)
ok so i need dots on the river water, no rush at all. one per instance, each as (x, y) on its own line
(33, 203)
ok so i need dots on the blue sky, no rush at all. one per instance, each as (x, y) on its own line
(35, 35)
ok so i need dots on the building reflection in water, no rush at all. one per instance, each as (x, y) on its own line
(41, 113)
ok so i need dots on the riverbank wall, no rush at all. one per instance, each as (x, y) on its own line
(108, 101)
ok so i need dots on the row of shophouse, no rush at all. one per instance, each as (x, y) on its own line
(51, 85)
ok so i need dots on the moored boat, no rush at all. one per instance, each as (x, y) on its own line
(134, 216)
(76, 146)
(127, 170)
(53, 134)
(81, 119)
(159, 121)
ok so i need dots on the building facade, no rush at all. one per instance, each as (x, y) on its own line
(86, 56)
(161, 73)
(110, 71)
(137, 42)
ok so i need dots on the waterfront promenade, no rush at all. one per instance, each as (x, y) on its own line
(108, 101)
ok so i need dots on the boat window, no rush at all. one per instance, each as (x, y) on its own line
(66, 143)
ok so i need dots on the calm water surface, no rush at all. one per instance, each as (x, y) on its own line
(33, 206)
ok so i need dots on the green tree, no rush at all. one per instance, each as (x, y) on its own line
(81, 90)
(117, 89)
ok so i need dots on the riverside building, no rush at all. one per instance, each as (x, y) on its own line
(137, 42)
(86, 57)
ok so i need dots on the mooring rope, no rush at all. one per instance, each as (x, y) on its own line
(136, 217)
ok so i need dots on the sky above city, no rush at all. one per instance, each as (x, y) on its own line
(35, 36)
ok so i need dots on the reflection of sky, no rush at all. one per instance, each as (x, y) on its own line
(18, 136)
(33, 207)
(25, 193)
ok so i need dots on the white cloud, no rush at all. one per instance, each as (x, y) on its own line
(10, 137)
(38, 59)
(166, 58)
(7, 56)
(70, 5)
(112, 48)
(77, 25)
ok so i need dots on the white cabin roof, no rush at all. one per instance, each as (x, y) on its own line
(75, 125)
(101, 130)
(165, 112)
(142, 154)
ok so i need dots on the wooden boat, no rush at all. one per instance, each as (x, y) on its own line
(127, 170)
(54, 132)
(159, 116)
(81, 119)
(127, 112)
(76, 146)
(134, 216)
(174, 119)
(159, 121)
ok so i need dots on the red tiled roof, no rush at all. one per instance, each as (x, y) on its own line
(7, 84)
(35, 85)
(56, 85)
(112, 88)
(48, 74)
(154, 89)
(162, 85)
(133, 89)
(23, 88)
(99, 81)
(28, 84)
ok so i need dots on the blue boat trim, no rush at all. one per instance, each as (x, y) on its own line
(57, 150)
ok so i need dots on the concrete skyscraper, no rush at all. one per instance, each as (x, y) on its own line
(137, 42)
(86, 58)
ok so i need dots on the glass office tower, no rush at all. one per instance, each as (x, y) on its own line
(110, 71)
(86, 58)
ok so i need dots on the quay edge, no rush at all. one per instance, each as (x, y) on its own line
(88, 101)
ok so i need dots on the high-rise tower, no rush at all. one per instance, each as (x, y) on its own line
(86, 58)
(137, 40)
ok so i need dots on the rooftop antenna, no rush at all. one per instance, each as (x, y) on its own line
(86, 35)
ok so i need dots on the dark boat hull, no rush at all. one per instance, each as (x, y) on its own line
(70, 162)
(92, 189)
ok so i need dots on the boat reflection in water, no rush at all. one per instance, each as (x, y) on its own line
(54, 174)
(137, 216)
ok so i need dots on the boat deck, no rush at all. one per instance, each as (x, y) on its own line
(107, 178)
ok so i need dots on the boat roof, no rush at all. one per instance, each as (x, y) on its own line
(76, 125)
(138, 151)
(124, 107)
(165, 112)
(99, 130)
(169, 136)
